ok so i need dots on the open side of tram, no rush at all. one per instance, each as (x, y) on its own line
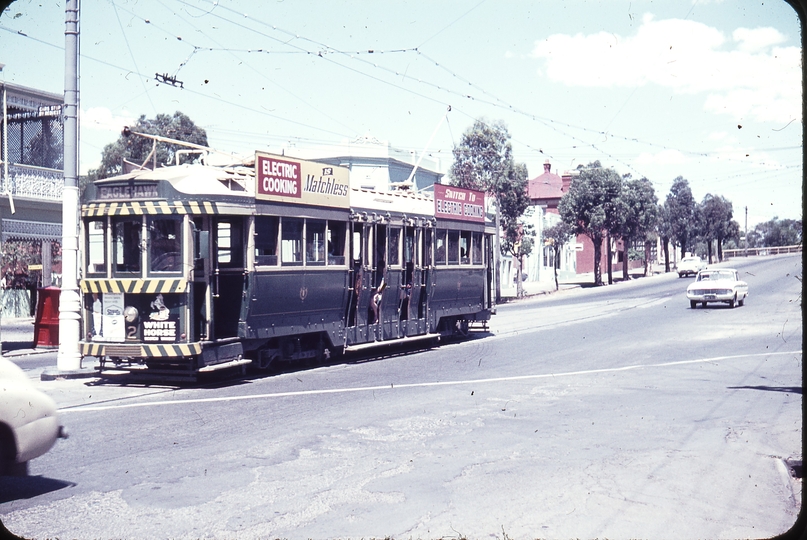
(192, 269)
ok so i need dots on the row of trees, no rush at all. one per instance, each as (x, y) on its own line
(776, 232)
(600, 203)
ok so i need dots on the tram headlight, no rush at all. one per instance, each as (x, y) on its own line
(130, 314)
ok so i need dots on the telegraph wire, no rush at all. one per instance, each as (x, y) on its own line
(134, 61)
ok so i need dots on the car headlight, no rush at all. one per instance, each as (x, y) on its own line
(130, 314)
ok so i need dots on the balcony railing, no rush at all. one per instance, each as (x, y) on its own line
(32, 182)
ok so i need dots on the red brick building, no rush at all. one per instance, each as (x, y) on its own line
(545, 192)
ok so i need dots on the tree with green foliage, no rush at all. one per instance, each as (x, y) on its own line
(680, 207)
(514, 201)
(593, 207)
(483, 160)
(558, 235)
(138, 150)
(640, 218)
(715, 222)
(776, 232)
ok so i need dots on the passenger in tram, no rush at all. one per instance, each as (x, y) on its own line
(378, 290)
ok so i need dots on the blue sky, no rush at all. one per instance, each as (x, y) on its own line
(708, 90)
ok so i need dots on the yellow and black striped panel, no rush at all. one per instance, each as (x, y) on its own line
(138, 208)
(145, 286)
(141, 351)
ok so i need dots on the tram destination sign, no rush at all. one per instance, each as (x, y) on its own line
(297, 181)
(128, 192)
(458, 203)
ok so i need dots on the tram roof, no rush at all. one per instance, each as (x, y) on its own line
(398, 201)
(195, 179)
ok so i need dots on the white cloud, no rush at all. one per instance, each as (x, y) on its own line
(102, 119)
(744, 77)
(665, 157)
(757, 39)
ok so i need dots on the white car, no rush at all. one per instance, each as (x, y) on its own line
(717, 285)
(690, 265)
(29, 424)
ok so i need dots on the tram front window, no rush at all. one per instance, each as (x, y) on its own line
(126, 243)
(96, 246)
(165, 247)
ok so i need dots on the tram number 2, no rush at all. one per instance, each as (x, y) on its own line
(131, 332)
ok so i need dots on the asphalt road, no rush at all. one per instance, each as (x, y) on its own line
(615, 412)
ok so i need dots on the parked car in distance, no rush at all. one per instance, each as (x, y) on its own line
(29, 424)
(717, 285)
(690, 265)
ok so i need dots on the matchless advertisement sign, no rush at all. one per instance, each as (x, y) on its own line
(457, 203)
(285, 179)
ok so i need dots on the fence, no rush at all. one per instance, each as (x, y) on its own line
(778, 250)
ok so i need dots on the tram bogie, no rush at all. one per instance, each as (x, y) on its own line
(194, 269)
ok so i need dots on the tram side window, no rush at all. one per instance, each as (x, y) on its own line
(126, 242)
(314, 242)
(394, 258)
(409, 251)
(440, 247)
(453, 247)
(230, 243)
(465, 247)
(266, 229)
(427, 247)
(96, 246)
(291, 243)
(165, 246)
(356, 245)
(476, 248)
(337, 231)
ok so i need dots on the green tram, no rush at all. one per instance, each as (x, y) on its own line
(194, 268)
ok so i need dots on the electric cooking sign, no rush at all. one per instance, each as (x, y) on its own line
(284, 179)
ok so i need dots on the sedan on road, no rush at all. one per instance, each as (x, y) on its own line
(690, 265)
(721, 285)
(29, 424)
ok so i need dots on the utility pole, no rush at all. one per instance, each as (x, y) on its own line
(69, 357)
(745, 243)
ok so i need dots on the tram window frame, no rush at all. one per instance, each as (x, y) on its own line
(291, 241)
(124, 249)
(315, 236)
(440, 247)
(96, 265)
(267, 230)
(453, 248)
(357, 246)
(156, 242)
(336, 241)
(410, 246)
(394, 246)
(465, 247)
(476, 248)
(234, 247)
(426, 246)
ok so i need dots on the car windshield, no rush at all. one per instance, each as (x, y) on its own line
(714, 276)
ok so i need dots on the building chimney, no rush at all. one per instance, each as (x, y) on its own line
(547, 166)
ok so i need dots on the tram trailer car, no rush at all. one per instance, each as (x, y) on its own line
(191, 269)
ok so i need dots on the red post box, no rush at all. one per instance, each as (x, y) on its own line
(46, 324)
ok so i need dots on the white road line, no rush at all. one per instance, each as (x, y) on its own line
(83, 408)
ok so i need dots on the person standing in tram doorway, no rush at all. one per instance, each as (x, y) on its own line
(378, 290)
